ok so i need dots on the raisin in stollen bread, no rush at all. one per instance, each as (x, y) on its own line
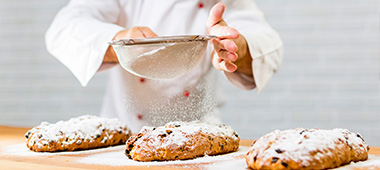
(307, 149)
(84, 132)
(181, 140)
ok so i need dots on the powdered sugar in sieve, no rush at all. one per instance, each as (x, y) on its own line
(161, 57)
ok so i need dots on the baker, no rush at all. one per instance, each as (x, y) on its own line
(248, 52)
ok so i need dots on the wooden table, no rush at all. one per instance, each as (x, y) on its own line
(14, 135)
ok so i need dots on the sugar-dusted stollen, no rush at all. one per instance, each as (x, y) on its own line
(306, 149)
(84, 132)
(181, 140)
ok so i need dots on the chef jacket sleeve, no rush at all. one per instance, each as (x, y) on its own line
(264, 43)
(79, 34)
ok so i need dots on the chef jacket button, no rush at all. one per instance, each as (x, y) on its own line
(139, 116)
(200, 5)
(142, 80)
(186, 93)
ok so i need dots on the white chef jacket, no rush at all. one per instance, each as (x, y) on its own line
(79, 34)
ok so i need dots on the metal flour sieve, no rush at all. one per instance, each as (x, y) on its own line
(165, 57)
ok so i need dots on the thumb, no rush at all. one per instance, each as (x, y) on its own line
(147, 32)
(216, 14)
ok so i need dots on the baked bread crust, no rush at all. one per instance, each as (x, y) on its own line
(180, 140)
(306, 149)
(84, 132)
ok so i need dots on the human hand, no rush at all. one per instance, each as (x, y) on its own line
(225, 55)
(135, 32)
(224, 47)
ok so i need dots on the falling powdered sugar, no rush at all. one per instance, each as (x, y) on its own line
(200, 103)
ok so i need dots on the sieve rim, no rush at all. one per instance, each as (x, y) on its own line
(162, 39)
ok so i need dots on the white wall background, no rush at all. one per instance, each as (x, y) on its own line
(330, 76)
